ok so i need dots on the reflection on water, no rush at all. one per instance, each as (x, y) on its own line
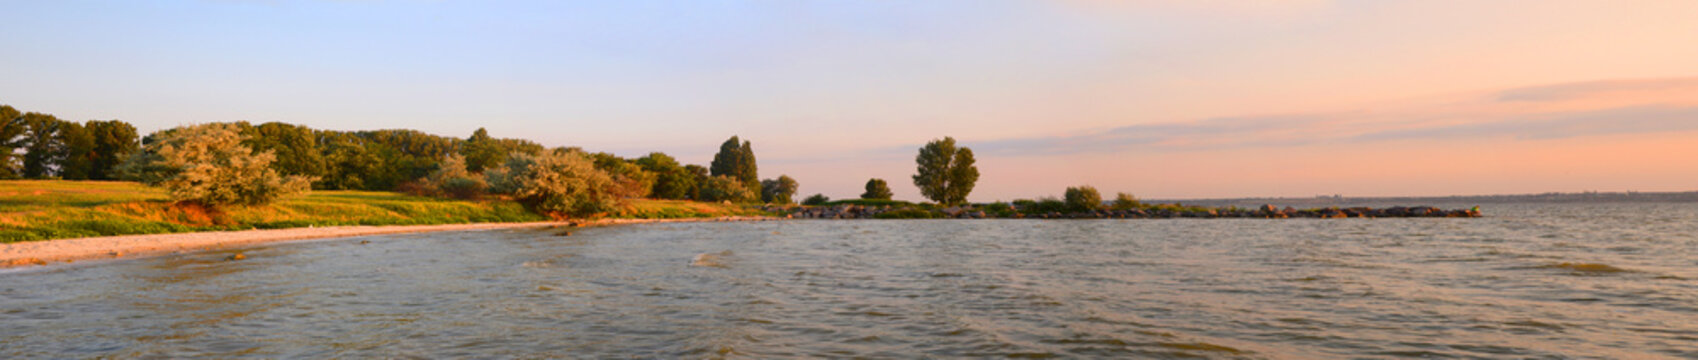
(1532, 281)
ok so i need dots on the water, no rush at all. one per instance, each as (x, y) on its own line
(1531, 281)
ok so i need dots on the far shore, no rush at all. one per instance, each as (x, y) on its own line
(46, 252)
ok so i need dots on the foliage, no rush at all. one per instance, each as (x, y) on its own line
(877, 202)
(1125, 201)
(725, 188)
(557, 184)
(295, 146)
(671, 181)
(631, 180)
(945, 174)
(206, 164)
(677, 209)
(907, 213)
(114, 141)
(75, 151)
(481, 151)
(451, 179)
(40, 146)
(51, 209)
(998, 209)
(877, 189)
(11, 127)
(816, 200)
(1043, 205)
(778, 191)
(737, 160)
(1083, 198)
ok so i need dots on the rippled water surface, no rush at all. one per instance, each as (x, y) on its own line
(1561, 281)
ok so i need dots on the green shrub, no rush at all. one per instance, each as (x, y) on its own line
(207, 164)
(1083, 198)
(1124, 201)
(816, 200)
(906, 213)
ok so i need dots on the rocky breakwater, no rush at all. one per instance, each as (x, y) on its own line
(1145, 212)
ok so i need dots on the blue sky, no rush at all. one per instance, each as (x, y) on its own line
(1054, 93)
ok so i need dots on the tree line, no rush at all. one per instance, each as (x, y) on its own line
(275, 158)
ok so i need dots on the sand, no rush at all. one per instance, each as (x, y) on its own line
(36, 253)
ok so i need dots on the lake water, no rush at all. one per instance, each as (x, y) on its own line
(1528, 281)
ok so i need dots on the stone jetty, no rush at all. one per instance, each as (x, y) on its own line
(848, 211)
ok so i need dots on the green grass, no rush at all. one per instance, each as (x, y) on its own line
(51, 209)
(33, 210)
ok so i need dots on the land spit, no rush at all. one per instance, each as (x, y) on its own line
(110, 247)
(1155, 212)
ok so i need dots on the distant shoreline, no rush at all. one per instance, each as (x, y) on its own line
(61, 251)
(1337, 200)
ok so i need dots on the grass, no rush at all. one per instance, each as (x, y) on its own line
(33, 210)
(679, 209)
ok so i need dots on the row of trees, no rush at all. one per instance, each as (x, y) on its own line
(411, 160)
(89, 150)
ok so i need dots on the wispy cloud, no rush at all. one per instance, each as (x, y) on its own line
(1561, 111)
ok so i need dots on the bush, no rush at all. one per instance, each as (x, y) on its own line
(558, 184)
(778, 191)
(207, 164)
(877, 189)
(906, 213)
(1083, 198)
(725, 188)
(998, 209)
(1041, 206)
(1124, 201)
(816, 200)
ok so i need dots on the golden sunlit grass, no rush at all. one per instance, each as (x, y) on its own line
(675, 209)
(50, 209)
(53, 209)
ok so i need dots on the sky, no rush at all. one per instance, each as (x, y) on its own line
(1158, 98)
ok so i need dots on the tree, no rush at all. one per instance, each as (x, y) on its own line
(778, 191)
(725, 188)
(75, 151)
(816, 200)
(482, 151)
(877, 190)
(698, 176)
(671, 180)
(208, 165)
(1124, 201)
(296, 147)
(11, 128)
(114, 141)
(41, 146)
(558, 184)
(737, 160)
(1083, 198)
(945, 174)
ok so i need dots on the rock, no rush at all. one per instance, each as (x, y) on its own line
(237, 256)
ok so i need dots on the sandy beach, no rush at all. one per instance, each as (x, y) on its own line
(36, 253)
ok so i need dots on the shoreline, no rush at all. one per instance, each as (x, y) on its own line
(64, 251)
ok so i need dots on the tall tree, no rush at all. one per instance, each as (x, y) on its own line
(877, 189)
(114, 141)
(75, 155)
(11, 130)
(736, 159)
(945, 174)
(41, 146)
(482, 151)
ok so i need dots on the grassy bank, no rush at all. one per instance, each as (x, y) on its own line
(50, 209)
